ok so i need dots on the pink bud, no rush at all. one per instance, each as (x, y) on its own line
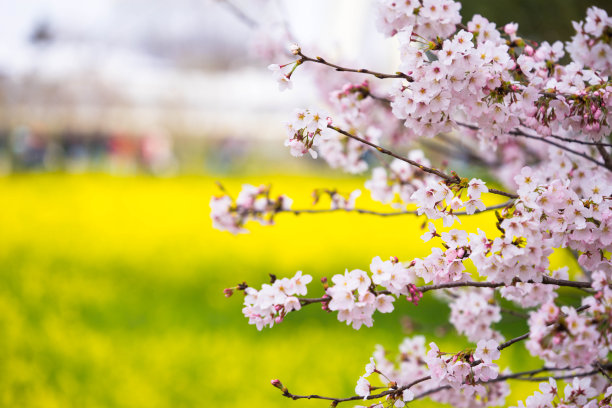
(228, 292)
(528, 50)
(597, 114)
(510, 28)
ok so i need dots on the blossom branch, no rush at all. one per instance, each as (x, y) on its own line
(526, 335)
(521, 133)
(605, 156)
(336, 401)
(453, 179)
(234, 9)
(319, 60)
(525, 376)
(546, 280)
(384, 214)
(518, 132)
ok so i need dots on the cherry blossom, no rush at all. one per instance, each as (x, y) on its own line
(538, 117)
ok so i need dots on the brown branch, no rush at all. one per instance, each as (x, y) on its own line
(513, 312)
(518, 132)
(384, 214)
(380, 75)
(583, 142)
(546, 280)
(453, 179)
(522, 376)
(336, 401)
(565, 139)
(526, 335)
(602, 369)
(234, 9)
(605, 156)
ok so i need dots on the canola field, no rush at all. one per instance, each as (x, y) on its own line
(111, 295)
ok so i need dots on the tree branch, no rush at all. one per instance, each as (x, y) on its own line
(522, 376)
(380, 75)
(518, 132)
(384, 214)
(234, 9)
(605, 156)
(336, 401)
(431, 170)
(546, 280)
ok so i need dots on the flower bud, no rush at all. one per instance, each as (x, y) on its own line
(276, 383)
(228, 292)
(294, 49)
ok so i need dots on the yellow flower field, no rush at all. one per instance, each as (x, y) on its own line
(111, 295)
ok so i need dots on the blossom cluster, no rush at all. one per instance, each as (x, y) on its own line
(465, 369)
(589, 46)
(252, 203)
(461, 371)
(581, 392)
(473, 312)
(305, 132)
(358, 114)
(432, 18)
(563, 337)
(512, 96)
(496, 82)
(271, 303)
(351, 296)
(434, 198)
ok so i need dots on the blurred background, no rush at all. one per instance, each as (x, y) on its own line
(116, 119)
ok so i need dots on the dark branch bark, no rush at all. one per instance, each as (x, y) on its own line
(381, 75)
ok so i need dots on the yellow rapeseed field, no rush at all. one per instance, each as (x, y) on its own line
(111, 295)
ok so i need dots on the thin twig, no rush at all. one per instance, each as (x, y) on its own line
(526, 335)
(520, 376)
(602, 370)
(319, 60)
(546, 280)
(583, 142)
(384, 214)
(605, 156)
(336, 401)
(518, 132)
(431, 170)
(513, 312)
(251, 23)
(521, 133)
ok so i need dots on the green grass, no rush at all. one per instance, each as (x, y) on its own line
(111, 296)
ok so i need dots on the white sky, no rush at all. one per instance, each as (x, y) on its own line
(130, 43)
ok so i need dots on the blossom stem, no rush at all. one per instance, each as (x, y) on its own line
(384, 214)
(380, 75)
(520, 133)
(523, 376)
(447, 177)
(546, 280)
